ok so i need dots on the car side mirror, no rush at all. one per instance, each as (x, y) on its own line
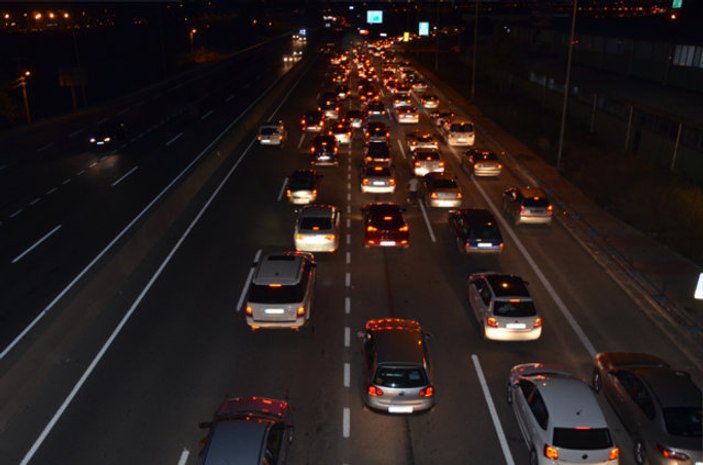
(363, 334)
(428, 335)
(204, 424)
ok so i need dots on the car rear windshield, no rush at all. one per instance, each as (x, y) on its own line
(301, 184)
(268, 131)
(485, 231)
(387, 222)
(684, 421)
(539, 202)
(428, 156)
(400, 377)
(315, 224)
(462, 127)
(444, 184)
(582, 438)
(378, 171)
(511, 309)
(265, 294)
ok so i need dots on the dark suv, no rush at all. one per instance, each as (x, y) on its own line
(398, 370)
(527, 205)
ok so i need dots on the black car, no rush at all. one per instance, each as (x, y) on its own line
(302, 187)
(476, 230)
(324, 151)
(377, 152)
(108, 134)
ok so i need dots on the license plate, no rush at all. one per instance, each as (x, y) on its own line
(378, 183)
(445, 203)
(399, 409)
(516, 326)
(274, 311)
(324, 157)
(484, 245)
(388, 243)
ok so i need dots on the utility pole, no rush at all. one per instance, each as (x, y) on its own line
(473, 62)
(567, 85)
(22, 82)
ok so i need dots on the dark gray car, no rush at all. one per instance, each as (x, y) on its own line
(658, 405)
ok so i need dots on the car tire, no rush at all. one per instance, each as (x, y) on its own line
(509, 394)
(533, 457)
(596, 380)
(638, 452)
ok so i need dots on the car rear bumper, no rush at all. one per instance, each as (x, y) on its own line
(396, 406)
(378, 189)
(505, 334)
(527, 219)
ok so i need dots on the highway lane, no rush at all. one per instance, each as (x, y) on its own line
(186, 347)
(94, 204)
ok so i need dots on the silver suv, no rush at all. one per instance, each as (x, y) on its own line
(281, 291)
(398, 370)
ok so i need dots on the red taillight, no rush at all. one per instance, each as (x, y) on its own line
(615, 453)
(549, 209)
(441, 164)
(502, 246)
(417, 164)
(288, 193)
(403, 228)
(392, 182)
(373, 391)
(434, 195)
(301, 311)
(249, 310)
(365, 181)
(551, 452)
(537, 323)
(312, 149)
(258, 138)
(427, 392)
(671, 454)
(458, 195)
(314, 192)
(492, 322)
(371, 228)
(522, 210)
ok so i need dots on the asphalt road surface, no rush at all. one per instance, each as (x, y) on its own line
(159, 237)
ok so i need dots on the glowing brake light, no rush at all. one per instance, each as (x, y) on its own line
(427, 392)
(549, 209)
(365, 181)
(441, 164)
(391, 181)
(492, 322)
(417, 164)
(371, 228)
(301, 311)
(670, 454)
(615, 453)
(515, 301)
(551, 452)
(249, 310)
(434, 195)
(403, 228)
(538, 323)
(458, 195)
(330, 237)
(276, 285)
(373, 391)
(387, 218)
(288, 193)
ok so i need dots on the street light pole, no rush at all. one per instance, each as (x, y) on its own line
(192, 36)
(473, 62)
(567, 85)
(23, 84)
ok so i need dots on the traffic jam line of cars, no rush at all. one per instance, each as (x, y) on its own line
(558, 414)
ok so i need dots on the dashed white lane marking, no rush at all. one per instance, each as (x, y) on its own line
(122, 112)
(101, 121)
(35, 201)
(540, 275)
(207, 114)
(427, 220)
(347, 305)
(348, 196)
(348, 223)
(492, 410)
(317, 97)
(66, 181)
(348, 258)
(229, 98)
(347, 279)
(348, 239)
(44, 147)
(75, 133)
(348, 209)
(349, 186)
(16, 212)
(345, 422)
(124, 176)
(36, 244)
(347, 374)
(174, 139)
(184, 456)
(349, 176)
(347, 336)
(92, 164)
(80, 173)
(402, 149)
(283, 189)
(302, 138)
(52, 190)
(243, 295)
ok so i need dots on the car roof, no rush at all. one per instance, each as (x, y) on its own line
(397, 340)
(477, 215)
(317, 211)
(570, 402)
(506, 285)
(424, 153)
(236, 441)
(672, 387)
(284, 269)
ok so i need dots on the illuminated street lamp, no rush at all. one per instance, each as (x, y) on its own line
(191, 34)
(22, 82)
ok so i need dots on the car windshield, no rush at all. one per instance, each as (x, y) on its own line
(400, 377)
(268, 131)
(485, 231)
(302, 184)
(462, 127)
(265, 294)
(316, 223)
(428, 156)
(388, 221)
(539, 202)
(582, 438)
(378, 171)
(376, 150)
(444, 184)
(488, 156)
(514, 308)
(684, 421)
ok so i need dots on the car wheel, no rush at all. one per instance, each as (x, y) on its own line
(533, 457)
(639, 453)
(596, 381)
(509, 394)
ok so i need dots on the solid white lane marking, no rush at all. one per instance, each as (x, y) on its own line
(101, 121)
(347, 374)
(347, 279)
(136, 219)
(122, 112)
(124, 176)
(75, 133)
(347, 305)
(36, 244)
(348, 239)
(229, 98)
(80, 173)
(347, 336)
(207, 114)
(245, 289)
(300, 142)
(35, 201)
(47, 429)
(17, 212)
(402, 149)
(540, 275)
(52, 190)
(492, 410)
(348, 258)
(184, 456)
(44, 147)
(345, 422)
(66, 181)
(427, 220)
(174, 138)
(283, 189)
(92, 164)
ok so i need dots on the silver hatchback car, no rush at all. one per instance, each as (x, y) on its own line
(398, 370)
(559, 417)
(281, 291)
(317, 229)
